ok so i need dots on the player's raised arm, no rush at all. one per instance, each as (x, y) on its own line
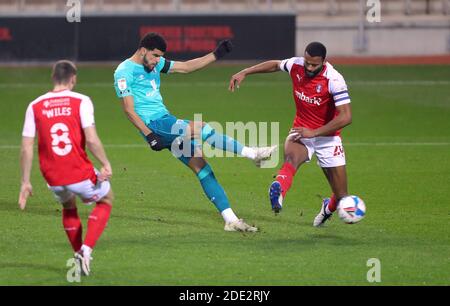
(192, 65)
(264, 67)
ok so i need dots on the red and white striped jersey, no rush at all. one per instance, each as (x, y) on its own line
(58, 118)
(315, 98)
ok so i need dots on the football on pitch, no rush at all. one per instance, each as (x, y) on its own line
(351, 209)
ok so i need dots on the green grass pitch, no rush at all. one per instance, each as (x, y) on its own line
(163, 230)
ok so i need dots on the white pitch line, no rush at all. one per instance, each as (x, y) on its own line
(352, 144)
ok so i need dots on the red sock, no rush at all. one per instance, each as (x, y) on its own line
(285, 176)
(332, 203)
(97, 223)
(72, 226)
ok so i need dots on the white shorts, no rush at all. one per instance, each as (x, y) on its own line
(328, 149)
(86, 190)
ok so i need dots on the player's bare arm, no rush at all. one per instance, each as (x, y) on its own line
(264, 67)
(128, 108)
(343, 119)
(26, 162)
(95, 145)
(192, 65)
(153, 140)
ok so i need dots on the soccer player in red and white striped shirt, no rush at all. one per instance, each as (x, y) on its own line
(63, 121)
(323, 109)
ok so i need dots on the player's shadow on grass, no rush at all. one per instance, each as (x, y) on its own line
(275, 219)
(159, 219)
(307, 241)
(333, 239)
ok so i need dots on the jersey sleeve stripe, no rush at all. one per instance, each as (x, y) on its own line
(166, 67)
(342, 103)
(339, 93)
(337, 97)
(285, 67)
(342, 99)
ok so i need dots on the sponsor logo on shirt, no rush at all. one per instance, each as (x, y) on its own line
(303, 97)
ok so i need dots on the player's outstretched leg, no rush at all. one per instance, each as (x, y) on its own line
(215, 193)
(227, 143)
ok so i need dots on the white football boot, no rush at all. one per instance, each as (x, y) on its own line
(239, 226)
(84, 261)
(320, 219)
(263, 153)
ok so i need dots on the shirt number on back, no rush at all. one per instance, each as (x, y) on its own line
(61, 144)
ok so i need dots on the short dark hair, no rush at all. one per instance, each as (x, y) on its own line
(62, 71)
(316, 49)
(153, 41)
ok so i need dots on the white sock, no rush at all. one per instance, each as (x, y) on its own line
(86, 250)
(248, 152)
(229, 216)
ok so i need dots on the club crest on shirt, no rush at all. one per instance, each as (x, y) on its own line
(318, 88)
(299, 78)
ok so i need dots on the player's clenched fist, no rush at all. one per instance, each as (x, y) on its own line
(224, 47)
(155, 142)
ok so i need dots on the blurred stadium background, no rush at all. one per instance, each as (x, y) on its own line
(407, 27)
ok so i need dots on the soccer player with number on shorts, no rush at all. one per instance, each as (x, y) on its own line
(63, 121)
(323, 109)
